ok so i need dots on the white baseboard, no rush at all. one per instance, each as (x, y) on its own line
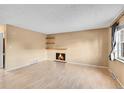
(116, 78)
(96, 66)
(25, 65)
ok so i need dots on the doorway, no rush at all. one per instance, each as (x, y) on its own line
(1, 51)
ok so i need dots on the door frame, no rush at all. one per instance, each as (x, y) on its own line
(3, 63)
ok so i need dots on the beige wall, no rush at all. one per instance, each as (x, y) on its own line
(84, 47)
(116, 66)
(23, 47)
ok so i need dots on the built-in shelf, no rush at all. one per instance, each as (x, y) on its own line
(56, 48)
(50, 37)
(50, 43)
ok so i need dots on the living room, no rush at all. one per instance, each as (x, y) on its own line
(62, 46)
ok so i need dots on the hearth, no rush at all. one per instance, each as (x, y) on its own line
(60, 57)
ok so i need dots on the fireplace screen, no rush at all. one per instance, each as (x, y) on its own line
(60, 56)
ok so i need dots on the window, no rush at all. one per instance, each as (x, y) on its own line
(119, 48)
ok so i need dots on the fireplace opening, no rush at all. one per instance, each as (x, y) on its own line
(60, 57)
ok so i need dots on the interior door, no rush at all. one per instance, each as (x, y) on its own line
(1, 50)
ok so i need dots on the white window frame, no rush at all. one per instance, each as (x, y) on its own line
(118, 49)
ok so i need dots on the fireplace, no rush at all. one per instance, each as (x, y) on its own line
(60, 57)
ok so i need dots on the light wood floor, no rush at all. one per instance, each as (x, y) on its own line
(57, 75)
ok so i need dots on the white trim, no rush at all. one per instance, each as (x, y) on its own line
(120, 60)
(96, 66)
(1, 52)
(119, 50)
(116, 78)
(82, 64)
(118, 15)
(22, 66)
(18, 67)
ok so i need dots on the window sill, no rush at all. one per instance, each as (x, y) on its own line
(120, 60)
